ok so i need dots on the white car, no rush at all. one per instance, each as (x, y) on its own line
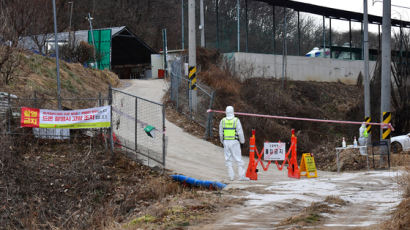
(316, 52)
(400, 143)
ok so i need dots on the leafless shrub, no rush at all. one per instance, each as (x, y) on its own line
(401, 83)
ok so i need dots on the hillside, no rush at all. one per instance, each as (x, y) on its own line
(37, 73)
(319, 100)
(78, 184)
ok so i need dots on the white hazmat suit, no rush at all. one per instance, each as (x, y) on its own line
(232, 148)
(362, 138)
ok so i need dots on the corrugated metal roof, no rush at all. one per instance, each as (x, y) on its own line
(332, 13)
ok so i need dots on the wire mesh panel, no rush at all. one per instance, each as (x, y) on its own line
(181, 95)
(138, 126)
(10, 116)
(11, 113)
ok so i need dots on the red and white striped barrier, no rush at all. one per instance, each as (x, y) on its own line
(383, 125)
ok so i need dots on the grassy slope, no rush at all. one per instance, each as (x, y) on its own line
(38, 73)
(298, 99)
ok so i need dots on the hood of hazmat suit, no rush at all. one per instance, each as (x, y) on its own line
(229, 112)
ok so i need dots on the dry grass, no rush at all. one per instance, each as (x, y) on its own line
(400, 159)
(59, 185)
(335, 200)
(401, 215)
(38, 73)
(313, 215)
(298, 99)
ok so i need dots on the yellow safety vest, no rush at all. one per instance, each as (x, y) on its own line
(229, 127)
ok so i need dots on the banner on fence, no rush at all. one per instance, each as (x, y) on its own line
(99, 117)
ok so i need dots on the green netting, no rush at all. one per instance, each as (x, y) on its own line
(102, 39)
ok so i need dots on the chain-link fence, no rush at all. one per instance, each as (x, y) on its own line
(181, 95)
(139, 126)
(10, 114)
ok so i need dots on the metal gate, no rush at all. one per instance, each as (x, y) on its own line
(138, 126)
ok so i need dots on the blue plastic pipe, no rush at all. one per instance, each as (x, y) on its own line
(199, 183)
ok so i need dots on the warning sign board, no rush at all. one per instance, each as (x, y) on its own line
(308, 166)
(274, 151)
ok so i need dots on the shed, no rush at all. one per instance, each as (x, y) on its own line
(119, 49)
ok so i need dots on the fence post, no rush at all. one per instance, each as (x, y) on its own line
(99, 99)
(190, 98)
(136, 123)
(111, 128)
(35, 100)
(163, 138)
(10, 113)
(177, 96)
(208, 131)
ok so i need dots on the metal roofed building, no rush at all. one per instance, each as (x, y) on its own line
(120, 50)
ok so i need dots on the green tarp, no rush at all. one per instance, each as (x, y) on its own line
(102, 39)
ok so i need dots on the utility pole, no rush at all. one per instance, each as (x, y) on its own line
(324, 37)
(71, 14)
(367, 114)
(238, 9)
(217, 23)
(57, 55)
(386, 70)
(89, 18)
(284, 49)
(165, 51)
(192, 54)
(202, 22)
(182, 24)
(69, 25)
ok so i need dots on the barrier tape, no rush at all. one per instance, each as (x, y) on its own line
(383, 125)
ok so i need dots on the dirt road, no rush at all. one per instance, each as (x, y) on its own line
(275, 197)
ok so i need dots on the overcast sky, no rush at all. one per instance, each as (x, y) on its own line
(375, 7)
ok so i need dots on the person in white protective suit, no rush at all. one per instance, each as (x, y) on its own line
(363, 138)
(231, 136)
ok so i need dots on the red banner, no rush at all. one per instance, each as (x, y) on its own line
(30, 117)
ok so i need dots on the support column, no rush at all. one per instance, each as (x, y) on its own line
(350, 38)
(238, 14)
(284, 48)
(57, 55)
(202, 22)
(298, 33)
(192, 54)
(366, 77)
(330, 37)
(247, 25)
(182, 24)
(217, 22)
(273, 29)
(385, 114)
(324, 37)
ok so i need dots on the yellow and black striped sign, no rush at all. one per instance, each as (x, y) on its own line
(368, 127)
(386, 120)
(192, 77)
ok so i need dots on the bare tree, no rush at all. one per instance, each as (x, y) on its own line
(401, 82)
(12, 26)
